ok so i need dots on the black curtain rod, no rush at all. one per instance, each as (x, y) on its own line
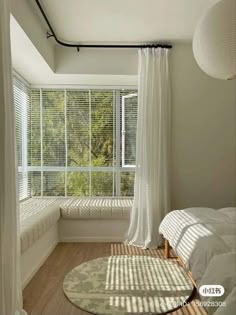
(52, 33)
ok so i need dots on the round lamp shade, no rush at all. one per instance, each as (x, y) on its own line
(214, 42)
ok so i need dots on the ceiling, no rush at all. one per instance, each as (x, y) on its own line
(34, 69)
(124, 20)
(94, 21)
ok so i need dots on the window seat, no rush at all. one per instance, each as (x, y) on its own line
(96, 208)
(37, 216)
(45, 221)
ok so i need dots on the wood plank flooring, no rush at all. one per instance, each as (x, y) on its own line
(44, 294)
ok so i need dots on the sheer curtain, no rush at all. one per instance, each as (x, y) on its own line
(152, 192)
(10, 285)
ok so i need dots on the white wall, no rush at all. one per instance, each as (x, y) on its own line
(96, 61)
(204, 135)
(25, 14)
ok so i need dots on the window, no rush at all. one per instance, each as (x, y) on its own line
(76, 142)
(129, 124)
(22, 104)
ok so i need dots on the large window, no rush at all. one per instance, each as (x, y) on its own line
(82, 142)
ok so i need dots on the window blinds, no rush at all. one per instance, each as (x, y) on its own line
(129, 123)
(53, 142)
(76, 145)
(22, 105)
(35, 143)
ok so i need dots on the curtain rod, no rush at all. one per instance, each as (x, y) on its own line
(52, 33)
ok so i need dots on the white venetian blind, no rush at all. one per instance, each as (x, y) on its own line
(76, 145)
(22, 107)
(129, 125)
(35, 134)
(103, 138)
(78, 142)
(53, 142)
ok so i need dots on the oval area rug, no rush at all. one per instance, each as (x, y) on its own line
(119, 285)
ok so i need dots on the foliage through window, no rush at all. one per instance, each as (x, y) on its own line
(76, 142)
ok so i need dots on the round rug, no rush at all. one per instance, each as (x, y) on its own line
(119, 285)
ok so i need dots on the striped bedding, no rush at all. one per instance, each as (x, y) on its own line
(197, 234)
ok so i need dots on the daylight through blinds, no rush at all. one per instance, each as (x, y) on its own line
(76, 142)
(22, 107)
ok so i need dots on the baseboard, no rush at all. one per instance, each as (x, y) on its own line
(35, 256)
(91, 239)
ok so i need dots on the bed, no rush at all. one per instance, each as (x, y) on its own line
(202, 238)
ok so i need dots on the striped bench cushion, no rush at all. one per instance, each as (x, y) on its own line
(37, 215)
(96, 208)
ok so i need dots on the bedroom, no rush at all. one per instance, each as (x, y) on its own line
(117, 146)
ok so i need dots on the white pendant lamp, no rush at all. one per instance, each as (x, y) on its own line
(214, 42)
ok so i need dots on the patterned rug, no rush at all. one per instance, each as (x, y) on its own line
(128, 284)
(193, 307)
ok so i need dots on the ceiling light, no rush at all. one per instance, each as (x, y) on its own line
(214, 42)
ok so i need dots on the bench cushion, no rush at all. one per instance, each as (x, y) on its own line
(96, 208)
(37, 216)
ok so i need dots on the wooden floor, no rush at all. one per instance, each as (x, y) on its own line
(44, 294)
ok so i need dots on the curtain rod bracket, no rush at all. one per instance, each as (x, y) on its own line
(49, 34)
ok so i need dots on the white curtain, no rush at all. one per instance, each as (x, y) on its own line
(152, 192)
(10, 285)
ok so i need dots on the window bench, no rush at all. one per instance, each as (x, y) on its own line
(98, 219)
(37, 216)
(96, 208)
(46, 221)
